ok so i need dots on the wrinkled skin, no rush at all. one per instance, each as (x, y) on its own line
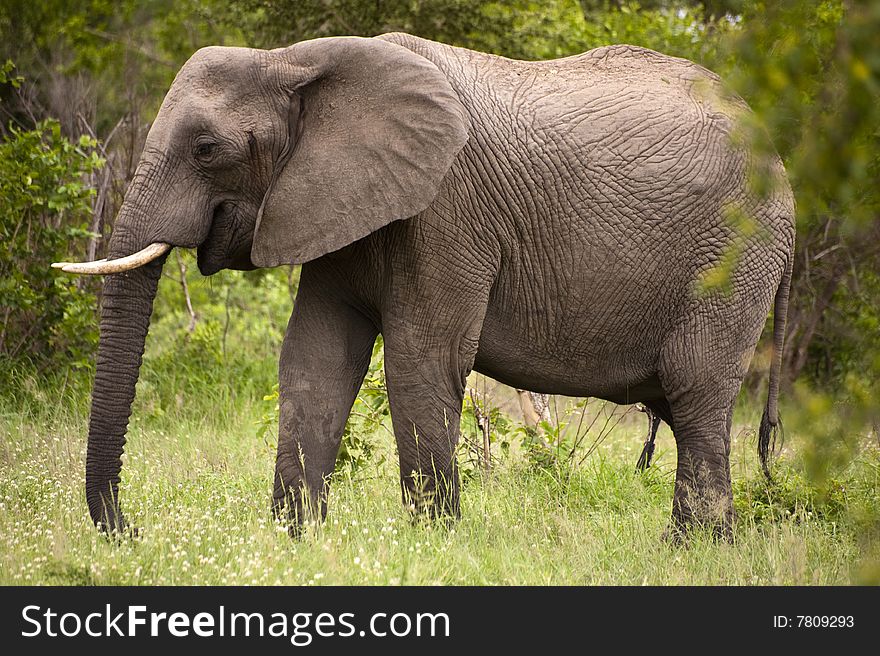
(546, 224)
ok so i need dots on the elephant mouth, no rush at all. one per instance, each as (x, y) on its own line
(228, 243)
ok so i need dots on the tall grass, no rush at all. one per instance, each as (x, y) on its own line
(197, 483)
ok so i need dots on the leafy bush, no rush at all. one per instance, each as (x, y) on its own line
(789, 497)
(480, 414)
(44, 216)
(370, 413)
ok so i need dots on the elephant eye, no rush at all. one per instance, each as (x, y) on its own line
(204, 150)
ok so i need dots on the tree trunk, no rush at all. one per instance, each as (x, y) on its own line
(808, 322)
(535, 407)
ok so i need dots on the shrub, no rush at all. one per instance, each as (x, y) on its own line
(44, 215)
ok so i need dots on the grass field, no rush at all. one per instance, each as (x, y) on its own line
(197, 484)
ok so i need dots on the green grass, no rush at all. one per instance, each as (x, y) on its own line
(197, 484)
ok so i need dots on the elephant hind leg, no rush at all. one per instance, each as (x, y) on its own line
(701, 379)
(662, 411)
(703, 493)
(657, 410)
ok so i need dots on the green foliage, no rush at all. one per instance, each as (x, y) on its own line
(844, 345)
(522, 29)
(370, 414)
(816, 92)
(469, 23)
(200, 493)
(790, 497)
(267, 424)
(836, 425)
(44, 217)
(564, 443)
(231, 350)
(126, 53)
(677, 29)
(189, 365)
(503, 432)
(7, 77)
(817, 96)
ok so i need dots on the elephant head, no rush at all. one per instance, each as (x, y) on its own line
(260, 158)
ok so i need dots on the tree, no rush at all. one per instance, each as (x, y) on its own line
(44, 209)
(817, 95)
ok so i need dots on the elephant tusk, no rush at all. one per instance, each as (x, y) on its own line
(101, 267)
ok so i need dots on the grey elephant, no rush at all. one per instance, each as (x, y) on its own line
(549, 224)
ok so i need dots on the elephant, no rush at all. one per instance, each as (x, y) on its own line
(647, 453)
(550, 224)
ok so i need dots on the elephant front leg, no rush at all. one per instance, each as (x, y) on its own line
(324, 358)
(426, 426)
(426, 382)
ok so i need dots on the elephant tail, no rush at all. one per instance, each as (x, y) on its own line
(771, 425)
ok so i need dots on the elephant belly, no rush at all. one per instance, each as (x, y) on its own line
(582, 363)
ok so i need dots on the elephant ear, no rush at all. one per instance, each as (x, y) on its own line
(374, 130)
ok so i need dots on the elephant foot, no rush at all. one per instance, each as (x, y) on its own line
(679, 535)
(431, 500)
(432, 517)
(297, 512)
(115, 527)
(709, 513)
(286, 512)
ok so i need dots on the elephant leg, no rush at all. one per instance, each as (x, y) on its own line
(651, 409)
(426, 381)
(661, 411)
(324, 359)
(701, 385)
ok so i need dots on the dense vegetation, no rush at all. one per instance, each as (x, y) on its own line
(80, 83)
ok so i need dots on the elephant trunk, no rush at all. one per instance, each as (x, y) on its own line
(127, 303)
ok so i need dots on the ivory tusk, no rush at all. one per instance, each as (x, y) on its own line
(101, 267)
